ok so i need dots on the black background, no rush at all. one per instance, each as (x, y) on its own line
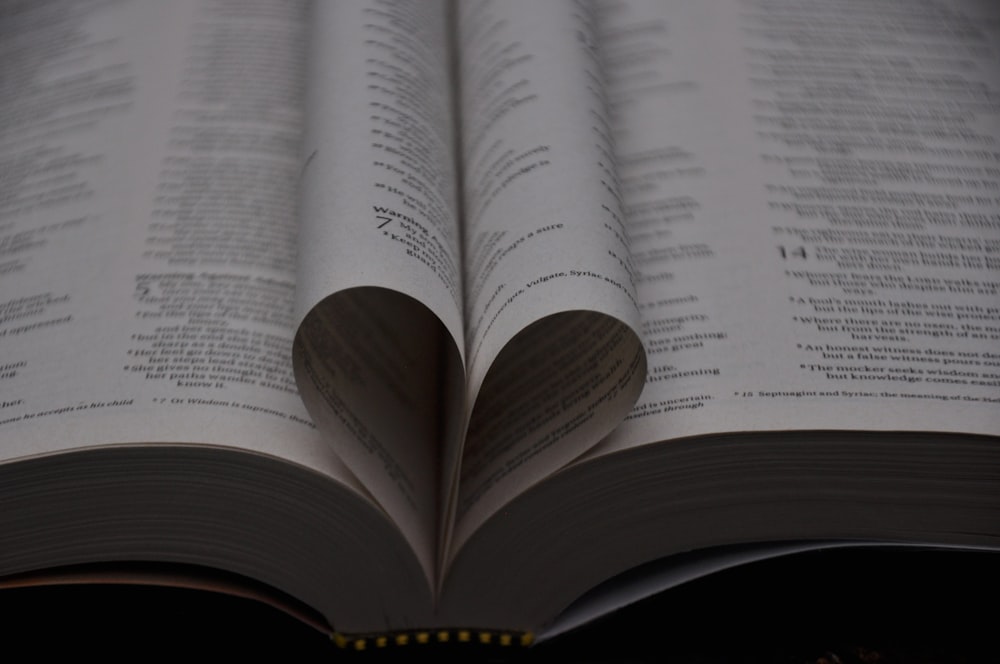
(825, 607)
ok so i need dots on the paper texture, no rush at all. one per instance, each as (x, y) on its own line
(812, 204)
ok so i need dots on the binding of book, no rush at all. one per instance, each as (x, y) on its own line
(433, 316)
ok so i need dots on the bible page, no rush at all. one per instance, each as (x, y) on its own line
(553, 358)
(813, 199)
(148, 228)
(378, 352)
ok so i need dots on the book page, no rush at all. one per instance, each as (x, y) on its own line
(553, 358)
(150, 156)
(813, 199)
(378, 353)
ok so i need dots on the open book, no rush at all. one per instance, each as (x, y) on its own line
(436, 315)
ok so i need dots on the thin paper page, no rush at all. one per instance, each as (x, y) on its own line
(378, 199)
(812, 201)
(553, 358)
(380, 288)
(147, 234)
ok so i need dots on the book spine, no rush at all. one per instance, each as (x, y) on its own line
(396, 639)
